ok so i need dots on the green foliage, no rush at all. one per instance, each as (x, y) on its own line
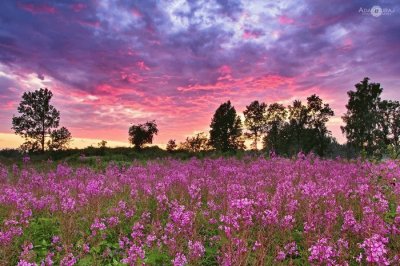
(111, 246)
(37, 120)
(197, 143)
(389, 127)
(60, 139)
(89, 260)
(255, 120)
(304, 130)
(40, 232)
(142, 134)
(298, 117)
(318, 115)
(157, 257)
(210, 257)
(275, 138)
(226, 129)
(86, 261)
(99, 158)
(171, 145)
(372, 125)
(392, 152)
(102, 144)
(362, 116)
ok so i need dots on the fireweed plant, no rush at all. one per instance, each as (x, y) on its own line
(250, 211)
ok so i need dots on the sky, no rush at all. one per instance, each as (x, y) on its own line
(111, 64)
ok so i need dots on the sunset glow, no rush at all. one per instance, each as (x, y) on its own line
(114, 63)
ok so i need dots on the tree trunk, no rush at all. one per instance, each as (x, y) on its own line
(43, 133)
(255, 140)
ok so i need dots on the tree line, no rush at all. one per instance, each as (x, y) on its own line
(372, 126)
(282, 130)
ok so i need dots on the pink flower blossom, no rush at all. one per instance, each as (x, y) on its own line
(375, 249)
(179, 260)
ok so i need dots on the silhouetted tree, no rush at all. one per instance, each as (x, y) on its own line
(142, 134)
(362, 116)
(255, 121)
(304, 131)
(171, 145)
(59, 139)
(30, 146)
(197, 143)
(318, 114)
(226, 129)
(102, 144)
(274, 138)
(37, 120)
(298, 117)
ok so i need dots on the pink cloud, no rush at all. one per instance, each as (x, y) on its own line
(142, 65)
(284, 20)
(347, 44)
(246, 84)
(94, 24)
(225, 69)
(248, 34)
(39, 8)
(136, 13)
(78, 7)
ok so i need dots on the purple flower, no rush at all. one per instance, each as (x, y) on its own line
(375, 249)
(196, 249)
(322, 253)
(68, 260)
(179, 260)
(135, 253)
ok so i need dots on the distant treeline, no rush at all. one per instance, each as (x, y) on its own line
(371, 127)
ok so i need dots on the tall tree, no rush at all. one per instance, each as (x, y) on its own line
(362, 116)
(37, 120)
(255, 120)
(276, 117)
(318, 114)
(226, 129)
(142, 134)
(389, 124)
(298, 117)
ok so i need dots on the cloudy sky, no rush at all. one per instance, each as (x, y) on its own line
(113, 63)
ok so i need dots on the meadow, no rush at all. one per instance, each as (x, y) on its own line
(220, 211)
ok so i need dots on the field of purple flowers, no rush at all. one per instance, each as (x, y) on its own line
(249, 211)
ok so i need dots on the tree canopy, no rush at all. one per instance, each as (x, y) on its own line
(255, 120)
(198, 142)
(362, 116)
(38, 120)
(59, 139)
(276, 117)
(142, 134)
(171, 145)
(298, 127)
(318, 115)
(226, 129)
